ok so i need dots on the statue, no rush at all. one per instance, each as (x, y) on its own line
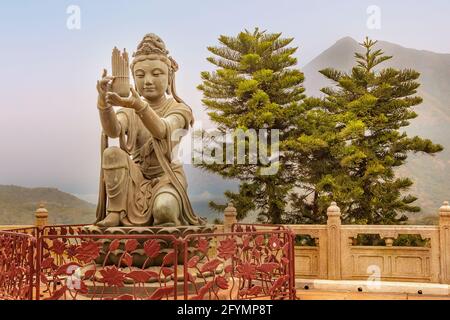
(140, 183)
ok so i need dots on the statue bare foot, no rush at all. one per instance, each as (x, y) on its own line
(111, 220)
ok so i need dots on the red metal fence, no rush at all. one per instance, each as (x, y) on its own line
(61, 263)
(17, 265)
(246, 265)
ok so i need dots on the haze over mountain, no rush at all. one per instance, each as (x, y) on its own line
(430, 174)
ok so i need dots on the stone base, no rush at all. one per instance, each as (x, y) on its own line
(372, 286)
(139, 256)
(179, 232)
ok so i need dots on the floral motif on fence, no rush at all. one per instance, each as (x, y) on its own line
(16, 266)
(247, 264)
(65, 263)
(104, 266)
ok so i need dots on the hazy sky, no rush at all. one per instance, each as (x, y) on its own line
(49, 123)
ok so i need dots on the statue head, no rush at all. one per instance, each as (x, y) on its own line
(153, 69)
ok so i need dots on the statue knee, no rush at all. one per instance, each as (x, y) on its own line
(166, 210)
(114, 157)
(114, 165)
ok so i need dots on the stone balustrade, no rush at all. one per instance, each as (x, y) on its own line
(336, 255)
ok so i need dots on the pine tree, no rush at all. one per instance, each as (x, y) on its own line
(356, 143)
(313, 147)
(254, 86)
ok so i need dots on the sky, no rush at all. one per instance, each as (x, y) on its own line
(49, 123)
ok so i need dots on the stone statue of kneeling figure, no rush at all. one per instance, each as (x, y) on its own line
(140, 183)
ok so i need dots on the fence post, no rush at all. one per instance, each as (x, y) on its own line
(41, 216)
(41, 220)
(334, 241)
(230, 214)
(444, 238)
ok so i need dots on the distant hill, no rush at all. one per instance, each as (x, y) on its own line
(430, 174)
(17, 206)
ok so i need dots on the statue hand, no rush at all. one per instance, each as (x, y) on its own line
(134, 101)
(103, 86)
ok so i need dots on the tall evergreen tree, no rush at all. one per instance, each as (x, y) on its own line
(254, 86)
(355, 143)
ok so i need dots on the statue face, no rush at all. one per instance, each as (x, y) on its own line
(151, 78)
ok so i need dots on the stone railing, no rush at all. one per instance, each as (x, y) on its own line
(334, 252)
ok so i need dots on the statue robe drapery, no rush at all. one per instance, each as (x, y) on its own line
(150, 170)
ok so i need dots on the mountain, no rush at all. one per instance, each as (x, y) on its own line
(17, 206)
(430, 173)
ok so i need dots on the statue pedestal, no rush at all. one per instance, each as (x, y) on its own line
(139, 256)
